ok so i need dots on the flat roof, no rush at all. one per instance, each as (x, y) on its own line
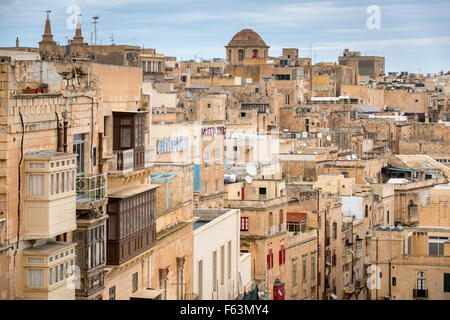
(147, 293)
(131, 191)
(50, 154)
(49, 247)
(200, 223)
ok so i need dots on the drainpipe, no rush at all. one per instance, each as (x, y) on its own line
(66, 125)
(59, 132)
(100, 152)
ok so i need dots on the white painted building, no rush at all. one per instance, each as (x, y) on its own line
(352, 207)
(220, 271)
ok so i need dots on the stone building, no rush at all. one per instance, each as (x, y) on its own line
(246, 47)
(263, 229)
(368, 66)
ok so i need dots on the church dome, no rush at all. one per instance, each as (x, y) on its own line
(247, 38)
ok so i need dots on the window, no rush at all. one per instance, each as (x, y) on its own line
(270, 260)
(112, 227)
(61, 272)
(200, 279)
(242, 114)
(436, 245)
(112, 293)
(134, 282)
(256, 90)
(394, 281)
(50, 276)
(244, 223)
(35, 278)
(446, 282)
(366, 211)
(56, 274)
(222, 264)
(180, 283)
(282, 255)
(295, 226)
(78, 148)
(304, 269)
(255, 53)
(421, 284)
(94, 156)
(35, 185)
(283, 77)
(294, 274)
(215, 270)
(313, 266)
(125, 137)
(262, 191)
(334, 230)
(209, 105)
(287, 99)
(229, 259)
(241, 55)
(410, 245)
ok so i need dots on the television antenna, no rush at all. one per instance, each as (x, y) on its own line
(95, 18)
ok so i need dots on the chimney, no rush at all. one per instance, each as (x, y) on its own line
(17, 42)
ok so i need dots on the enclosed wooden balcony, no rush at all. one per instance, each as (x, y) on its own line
(129, 148)
(50, 271)
(49, 194)
(131, 225)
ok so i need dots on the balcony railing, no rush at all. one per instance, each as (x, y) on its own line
(125, 160)
(91, 188)
(271, 230)
(148, 156)
(420, 293)
(347, 256)
(133, 159)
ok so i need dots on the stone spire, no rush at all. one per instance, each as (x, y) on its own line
(78, 35)
(47, 36)
(78, 46)
(47, 45)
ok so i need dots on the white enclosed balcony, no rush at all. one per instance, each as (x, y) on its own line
(49, 194)
(50, 271)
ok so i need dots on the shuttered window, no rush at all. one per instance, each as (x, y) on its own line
(446, 282)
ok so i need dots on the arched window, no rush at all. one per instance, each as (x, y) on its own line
(241, 54)
(255, 53)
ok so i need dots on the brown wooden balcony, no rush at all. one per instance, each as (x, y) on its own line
(131, 223)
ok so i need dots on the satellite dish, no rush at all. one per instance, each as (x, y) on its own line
(251, 169)
(328, 138)
(349, 157)
(248, 179)
(304, 144)
(319, 135)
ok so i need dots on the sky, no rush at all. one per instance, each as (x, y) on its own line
(412, 35)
